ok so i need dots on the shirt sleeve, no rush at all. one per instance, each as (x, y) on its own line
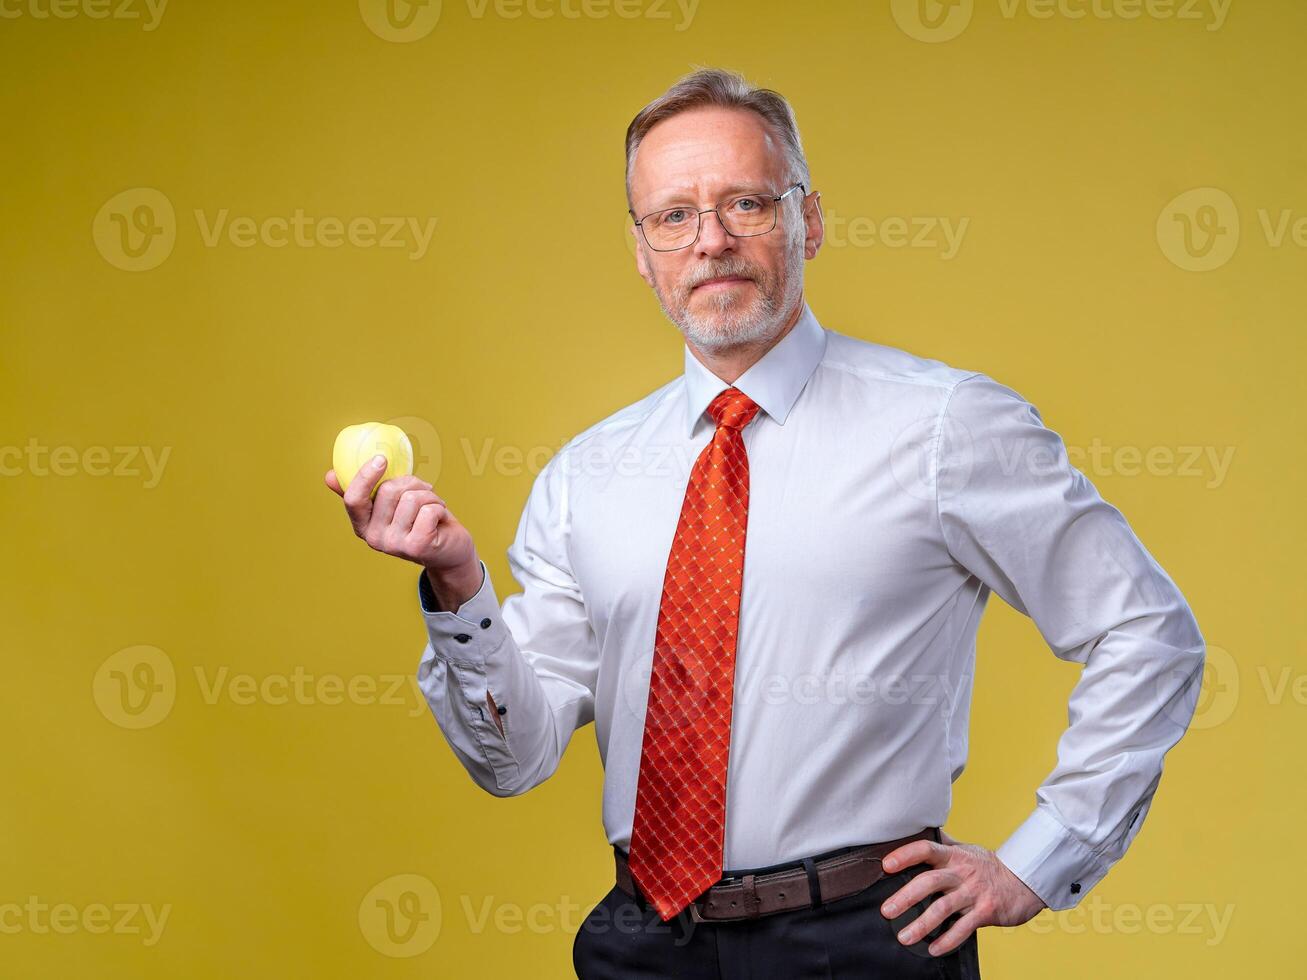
(1017, 515)
(508, 686)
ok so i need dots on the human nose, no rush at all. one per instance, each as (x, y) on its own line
(713, 239)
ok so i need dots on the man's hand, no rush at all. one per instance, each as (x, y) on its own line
(408, 520)
(973, 881)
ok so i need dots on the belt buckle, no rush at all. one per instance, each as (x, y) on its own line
(696, 916)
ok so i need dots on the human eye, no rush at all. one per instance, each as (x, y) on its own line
(669, 217)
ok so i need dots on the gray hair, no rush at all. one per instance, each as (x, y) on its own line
(729, 90)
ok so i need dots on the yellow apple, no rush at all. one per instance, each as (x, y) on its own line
(357, 444)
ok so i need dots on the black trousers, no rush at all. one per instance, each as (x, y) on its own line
(623, 938)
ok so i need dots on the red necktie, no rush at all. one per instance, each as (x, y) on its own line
(679, 829)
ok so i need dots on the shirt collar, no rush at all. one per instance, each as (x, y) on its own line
(774, 381)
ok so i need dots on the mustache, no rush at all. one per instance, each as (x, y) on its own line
(698, 277)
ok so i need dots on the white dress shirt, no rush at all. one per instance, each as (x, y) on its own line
(889, 494)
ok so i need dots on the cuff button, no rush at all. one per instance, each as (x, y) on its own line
(462, 638)
(1075, 888)
(485, 623)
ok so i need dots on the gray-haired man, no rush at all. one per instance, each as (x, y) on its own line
(781, 724)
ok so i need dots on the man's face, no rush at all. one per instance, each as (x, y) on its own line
(722, 292)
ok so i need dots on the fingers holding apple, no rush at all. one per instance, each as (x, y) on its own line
(364, 457)
(358, 447)
(411, 521)
(394, 511)
(438, 541)
(364, 494)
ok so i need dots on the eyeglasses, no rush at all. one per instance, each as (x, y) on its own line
(741, 217)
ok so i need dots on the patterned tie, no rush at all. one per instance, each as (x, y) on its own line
(679, 828)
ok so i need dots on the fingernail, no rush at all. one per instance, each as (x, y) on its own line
(891, 909)
(378, 461)
(903, 936)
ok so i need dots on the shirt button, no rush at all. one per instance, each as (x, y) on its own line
(485, 623)
(503, 710)
(1075, 888)
(462, 638)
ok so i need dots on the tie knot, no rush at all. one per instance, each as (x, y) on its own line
(733, 409)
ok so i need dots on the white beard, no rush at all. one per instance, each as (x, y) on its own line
(730, 321)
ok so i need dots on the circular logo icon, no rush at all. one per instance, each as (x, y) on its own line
(1217, 697)
(427, 454)
(1199, 230)
(136, 687)
(932, 21)
(915, 451)
(692, 694)
(400, 917)
(135, 231)
(400, 21)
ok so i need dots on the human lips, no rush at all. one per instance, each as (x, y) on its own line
(722, 282)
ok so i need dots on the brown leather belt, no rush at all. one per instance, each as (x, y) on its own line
(749, 896)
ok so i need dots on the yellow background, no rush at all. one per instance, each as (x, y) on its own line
(265, 826)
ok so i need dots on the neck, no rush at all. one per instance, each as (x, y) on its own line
(731, 362)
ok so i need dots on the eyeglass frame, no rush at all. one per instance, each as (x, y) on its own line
(714, 210)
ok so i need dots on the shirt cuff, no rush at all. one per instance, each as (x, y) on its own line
(469, 634)
(1055, 865)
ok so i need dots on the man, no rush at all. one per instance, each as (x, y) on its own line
(781, 724)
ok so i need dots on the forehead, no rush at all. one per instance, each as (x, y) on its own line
(704, 152)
